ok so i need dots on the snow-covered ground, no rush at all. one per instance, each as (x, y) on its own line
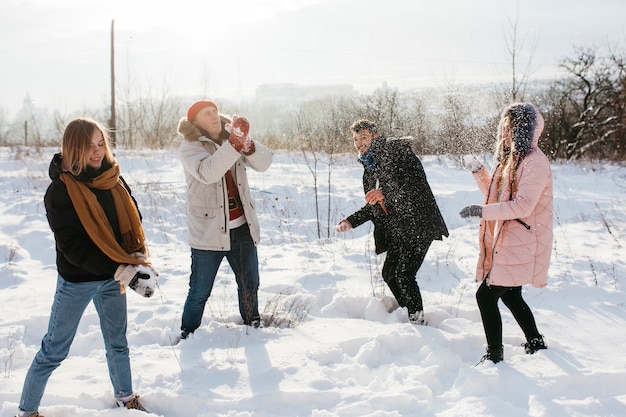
(333, 345)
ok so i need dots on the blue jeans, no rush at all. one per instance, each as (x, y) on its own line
(244, 262)
(70, 301)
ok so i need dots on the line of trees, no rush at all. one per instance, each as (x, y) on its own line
(584, 112)
(586, 109)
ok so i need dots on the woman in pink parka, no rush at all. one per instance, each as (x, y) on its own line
(516, 226)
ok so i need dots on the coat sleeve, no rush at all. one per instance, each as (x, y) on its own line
(533, 177)
(361, 216)
(205, 166)
(482, 178)
(261, 159)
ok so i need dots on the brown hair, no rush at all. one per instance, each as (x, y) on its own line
(76, 144)
(362, 124)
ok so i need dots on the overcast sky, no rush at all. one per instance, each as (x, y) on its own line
(58, 51)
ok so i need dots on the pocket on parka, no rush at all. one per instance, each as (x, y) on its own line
(203, 211)
(517, 245)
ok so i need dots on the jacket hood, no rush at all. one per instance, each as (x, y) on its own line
(224, 134)
(535, 141)
(55, 168)
(524, 135)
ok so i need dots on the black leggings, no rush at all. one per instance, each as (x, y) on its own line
(487, 298)
(399, 270)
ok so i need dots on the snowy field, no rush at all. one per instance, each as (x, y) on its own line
(333, 343)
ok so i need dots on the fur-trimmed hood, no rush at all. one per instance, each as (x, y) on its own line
(192, 133)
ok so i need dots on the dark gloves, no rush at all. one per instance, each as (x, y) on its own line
(239, 137)
(140, 278)
(473, 210)
(188, 130)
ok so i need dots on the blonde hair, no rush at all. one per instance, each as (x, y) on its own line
(514, 139)
(76, 143)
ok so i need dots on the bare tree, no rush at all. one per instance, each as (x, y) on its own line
(320, 128)
(149, 119)
(339, 113)
(4, 128)
(515, 44)
(419, 125)
(454, 132)
(304, 131)
(387, 108)
(590, 107)
(159, 126)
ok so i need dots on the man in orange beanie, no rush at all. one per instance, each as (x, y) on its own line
(193, 110)
(221, 215)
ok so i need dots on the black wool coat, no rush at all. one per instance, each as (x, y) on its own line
(413, 217)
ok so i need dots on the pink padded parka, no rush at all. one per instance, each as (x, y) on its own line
(516, 234)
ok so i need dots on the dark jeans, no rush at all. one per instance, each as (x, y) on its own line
(399, 270)
(243, 259)
(487, 298)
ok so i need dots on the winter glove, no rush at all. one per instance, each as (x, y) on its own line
(473, 210)
(239, 137)
(188, 130)
(471, 163)
(343, 226)
(140, 278)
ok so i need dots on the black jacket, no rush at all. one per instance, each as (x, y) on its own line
(413, 217)
(78, 258)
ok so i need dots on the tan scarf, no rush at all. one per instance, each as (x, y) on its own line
(96, 223)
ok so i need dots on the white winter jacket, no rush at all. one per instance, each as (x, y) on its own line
(205, 164)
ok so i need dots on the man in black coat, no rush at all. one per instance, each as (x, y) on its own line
(402, 207)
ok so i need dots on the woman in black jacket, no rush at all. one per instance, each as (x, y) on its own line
(101, 249)
(403, 209)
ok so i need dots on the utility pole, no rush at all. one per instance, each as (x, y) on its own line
(112, 121)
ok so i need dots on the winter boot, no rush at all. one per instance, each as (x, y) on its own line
(534, 344)
(418, 318)
(494, 355)
(132, 404)
(35, 414)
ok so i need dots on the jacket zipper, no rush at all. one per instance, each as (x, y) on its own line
(225, 202)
